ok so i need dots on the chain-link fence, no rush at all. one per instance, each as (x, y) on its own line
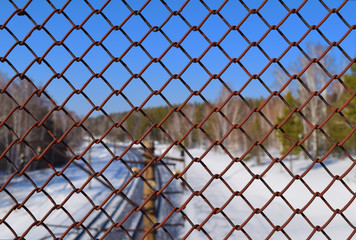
(166, 119)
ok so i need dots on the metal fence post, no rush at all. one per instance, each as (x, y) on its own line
(149, 208)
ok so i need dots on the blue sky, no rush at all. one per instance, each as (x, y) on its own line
(155, 44)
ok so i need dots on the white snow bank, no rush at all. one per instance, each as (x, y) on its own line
(257, 195)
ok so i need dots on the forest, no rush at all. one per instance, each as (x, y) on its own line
(215, 126)
(30, 122)
(23, 133)
(257, 125)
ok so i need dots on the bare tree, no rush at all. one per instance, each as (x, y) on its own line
(18, 122)
(313, 79)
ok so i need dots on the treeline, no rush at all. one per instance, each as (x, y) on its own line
(219, 125)
(20, 138)
(178, 123)
(316, 109)
(317, 112)
(236, 124)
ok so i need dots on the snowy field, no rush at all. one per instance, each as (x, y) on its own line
(197, 210)
(77, 205)
(257, 194)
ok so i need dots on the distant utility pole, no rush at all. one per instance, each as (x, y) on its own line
(149, 208)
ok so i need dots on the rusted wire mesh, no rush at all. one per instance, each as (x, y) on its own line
(60, 144)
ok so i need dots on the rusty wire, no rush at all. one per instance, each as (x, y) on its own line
(253, 76)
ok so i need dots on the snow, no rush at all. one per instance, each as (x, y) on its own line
(257, 194)
(216, 195)
(59, 188)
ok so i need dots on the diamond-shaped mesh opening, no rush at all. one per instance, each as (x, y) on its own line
(216, 163)
(298, 227)
(237, 109)
(175, 34)
(278, 205)
(214, 93)
(248, 61)
(194, 181)
(337, 128)
(191, 46)
(194, 12)
(292, 61)
(130, 95)
(177, 120)
(274, 44)
(26, 219)
(216, 131)
(21, 52)
(244, 176)
(334, 22)
(337, 189)
(257, 199)
(90, 58)
(37, 36)
(210, 191)
(259, 221)
(269, 178)
(256, 127)
(94, 87)
(91, 26)
(190, 76)
(238, 210)
(312, 212)
(114, 37)
(291, 22)
(234, 44)
(18, 184)
(54, 54)
(219, 221)
(155, 44)
(337, 221)
(39, 208)
(214, 28)
(26, 25)
(137, 23)
(257, 22)
(237, 142)
(317, 186)
(313, 19)
(181, 125)
(197, 203)
(300, 200)
(77, 48)
(180, 60)
(220, 60)
(273, 13)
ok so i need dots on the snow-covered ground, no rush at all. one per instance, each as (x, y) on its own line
(77, 206)
(257, 194)
(197, 210)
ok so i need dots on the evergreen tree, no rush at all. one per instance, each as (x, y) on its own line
(338, 128)
(350, 81)
(293, 127)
